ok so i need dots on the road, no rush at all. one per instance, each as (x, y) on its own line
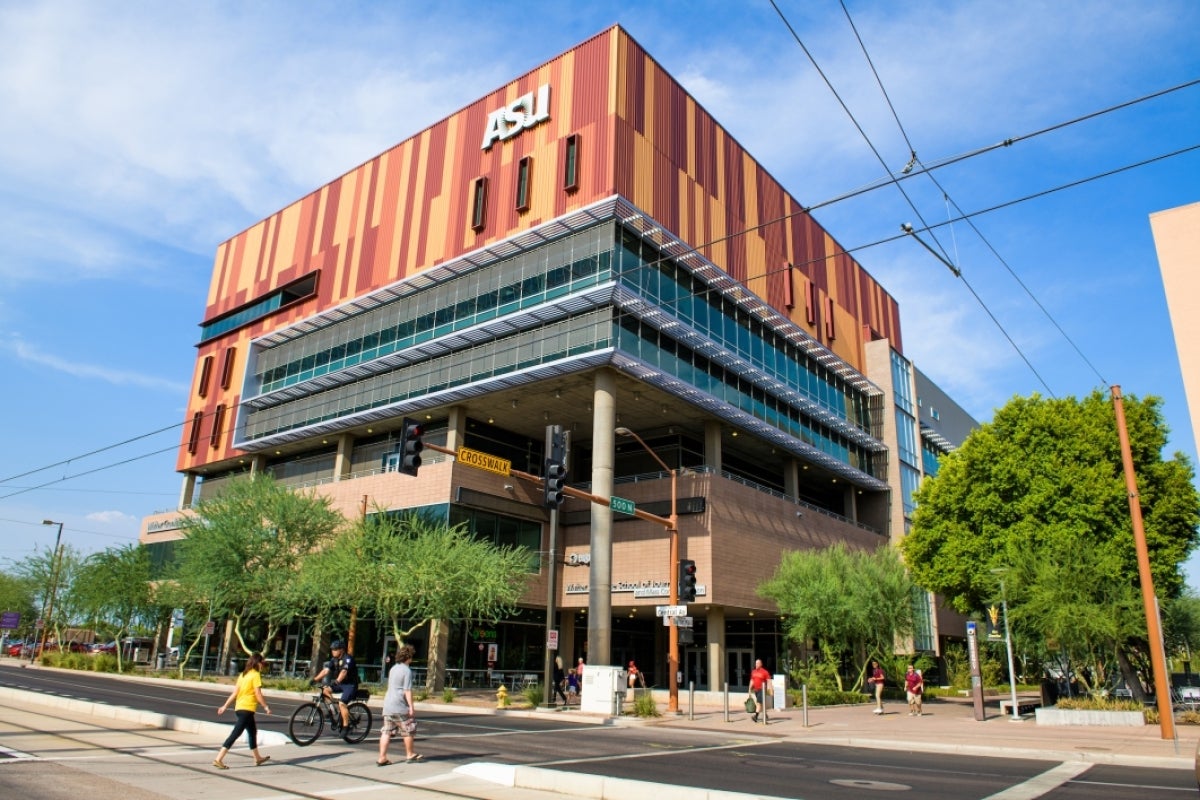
(660, 754)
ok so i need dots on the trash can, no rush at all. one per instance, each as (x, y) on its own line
(1049, 693)
(162, 661)
(233, 667)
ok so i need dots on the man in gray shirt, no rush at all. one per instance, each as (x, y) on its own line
(399, 713)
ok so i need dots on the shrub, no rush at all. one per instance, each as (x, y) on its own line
(533, 694)
(103, 662)
(831, 697)
(644, 705)
(448, 695)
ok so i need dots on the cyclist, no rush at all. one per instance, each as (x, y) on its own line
(340, 674)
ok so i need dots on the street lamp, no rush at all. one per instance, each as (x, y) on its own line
(48, 607)
(1012, 675)
(672, 591)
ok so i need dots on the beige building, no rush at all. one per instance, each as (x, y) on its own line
(1177, 239)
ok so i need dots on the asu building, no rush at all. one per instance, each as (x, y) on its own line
(583, 247)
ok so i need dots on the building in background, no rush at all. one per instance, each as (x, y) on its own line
(585, 247)
(1177, 240)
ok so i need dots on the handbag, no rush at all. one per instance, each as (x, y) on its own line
(751, 706)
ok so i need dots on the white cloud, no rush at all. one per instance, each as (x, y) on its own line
(110, 517)
(31, 355)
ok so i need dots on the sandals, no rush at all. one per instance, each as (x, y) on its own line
(384, 763)
(414, 758)
(258, 762)
(219, 765)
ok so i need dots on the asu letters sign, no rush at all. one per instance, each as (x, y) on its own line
(525, 112)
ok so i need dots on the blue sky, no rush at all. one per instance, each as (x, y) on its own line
(137, 136)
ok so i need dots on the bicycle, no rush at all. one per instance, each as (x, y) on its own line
(308, 722)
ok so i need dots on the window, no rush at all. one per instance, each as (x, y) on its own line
(810, 303)
(214, 438)
(524, 172)
(194, 434)
(789, 291)
(571, 163)
(205, 375)
(829, 330)
(294, 292)
(227, 367)
(479, 204)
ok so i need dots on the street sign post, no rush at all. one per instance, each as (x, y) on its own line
(622, 505)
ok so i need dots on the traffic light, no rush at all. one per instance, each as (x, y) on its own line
(410, 447)
(687, 580)
(556, 468)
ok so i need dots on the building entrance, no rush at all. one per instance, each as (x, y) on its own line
(738, 664)
(695, 669)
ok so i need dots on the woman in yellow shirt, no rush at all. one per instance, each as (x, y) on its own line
(247, 696)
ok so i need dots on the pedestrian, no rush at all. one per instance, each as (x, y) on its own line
(914, 687)
(399, 712)
(760, 686)
(560, 681)
(875, 681)
(572, 686)
(579, 670)
(246, 696)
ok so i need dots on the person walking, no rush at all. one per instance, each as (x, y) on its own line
(560, 680)
(760, 682)
(914, 688)
(246, 696)
(875, 681)
(399, 712)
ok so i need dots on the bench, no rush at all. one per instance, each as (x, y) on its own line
(1023, 706)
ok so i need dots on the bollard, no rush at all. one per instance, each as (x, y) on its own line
(726, 693)
(691, 699)
(804, 701)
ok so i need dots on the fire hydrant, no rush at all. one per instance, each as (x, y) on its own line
(502, 697)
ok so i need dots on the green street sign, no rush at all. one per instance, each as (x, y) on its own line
(622, 505)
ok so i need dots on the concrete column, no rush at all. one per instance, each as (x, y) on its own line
(716, 648)
(566, 638)
(342, 461)
(712, 444)
(188, 490)
(456, 427)
(791, 478)
(604, 420)
(258, 463)
(850, 502)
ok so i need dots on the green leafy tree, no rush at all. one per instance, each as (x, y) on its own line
(16, 594)
(52, 579)
(408, 570)
(1040, 491)
(114, 585)
(855, 604)
(242, 552)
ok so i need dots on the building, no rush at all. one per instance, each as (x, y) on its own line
(1177, 240)
(584, 247)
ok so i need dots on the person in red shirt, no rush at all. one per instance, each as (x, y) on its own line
(875, 681)
(760, 681)
(914, 687)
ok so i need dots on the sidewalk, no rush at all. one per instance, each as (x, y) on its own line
(951, 727)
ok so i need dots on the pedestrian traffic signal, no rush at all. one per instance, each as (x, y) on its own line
(687, 580)
(410, 447)
(556, 469)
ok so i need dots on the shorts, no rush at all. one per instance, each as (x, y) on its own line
(401, 724)
(345, 691)
(914, 697)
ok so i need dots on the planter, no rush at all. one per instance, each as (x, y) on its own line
(1079, 716)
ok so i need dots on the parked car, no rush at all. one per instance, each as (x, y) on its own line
(14, 648)
(103, 647)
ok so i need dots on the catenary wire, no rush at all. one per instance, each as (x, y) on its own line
(913, 160)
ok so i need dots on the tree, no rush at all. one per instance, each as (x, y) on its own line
(409, 569)
(52, 578)
(854, 603)
(1041, 491)
(114, 585)
(16, 594)
(243, 550)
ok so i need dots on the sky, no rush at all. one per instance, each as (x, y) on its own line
(136, 137)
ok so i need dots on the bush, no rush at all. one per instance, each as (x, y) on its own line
(104, 662)
(533, 694)
(448, 695)
(831, 697)
(644, 705)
